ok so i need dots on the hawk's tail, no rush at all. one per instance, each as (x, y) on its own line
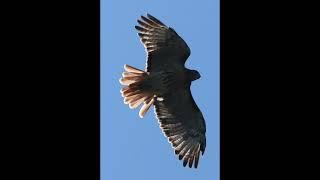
(136, 91)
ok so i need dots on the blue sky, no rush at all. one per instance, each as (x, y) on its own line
(134, 148)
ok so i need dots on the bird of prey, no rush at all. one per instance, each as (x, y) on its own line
(165, 83)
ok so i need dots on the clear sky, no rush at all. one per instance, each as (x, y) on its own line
(134, 148)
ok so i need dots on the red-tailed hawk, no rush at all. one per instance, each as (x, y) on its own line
(166, 84)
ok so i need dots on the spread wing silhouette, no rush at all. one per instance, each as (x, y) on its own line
(182, 123)
(165, 83)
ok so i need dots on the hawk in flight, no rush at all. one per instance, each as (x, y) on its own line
(165, 83)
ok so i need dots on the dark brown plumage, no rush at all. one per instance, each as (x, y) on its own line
(166, 84)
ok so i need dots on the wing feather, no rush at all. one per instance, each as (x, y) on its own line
(161, 41)
(182, 123)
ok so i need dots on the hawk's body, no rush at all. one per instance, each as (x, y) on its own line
(166, 85)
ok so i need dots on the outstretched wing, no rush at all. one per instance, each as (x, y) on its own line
(183, 124)
(163, 45)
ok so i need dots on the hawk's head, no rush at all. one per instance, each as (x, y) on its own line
(193, 75)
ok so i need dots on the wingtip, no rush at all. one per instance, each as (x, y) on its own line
(176, 152)
(150, 16)
(202, 151)
(185, 163)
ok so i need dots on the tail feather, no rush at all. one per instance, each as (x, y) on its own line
(135, 98)
(130, 80)
(145, 107)
(133, 70)
(130, 74)
(138, 101)
(134, 92)
(126, 90)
